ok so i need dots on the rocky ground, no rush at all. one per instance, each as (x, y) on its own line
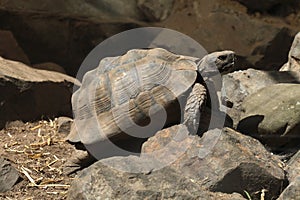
(256, 157)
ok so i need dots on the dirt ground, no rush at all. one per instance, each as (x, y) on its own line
(38, 152)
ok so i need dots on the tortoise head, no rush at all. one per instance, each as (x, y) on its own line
(216, 62)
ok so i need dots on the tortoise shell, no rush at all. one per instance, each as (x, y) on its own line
(123, 91)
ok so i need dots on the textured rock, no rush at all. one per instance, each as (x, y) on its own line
(8, 175)
(100, 181)
(64, 125)
(28, 94)
(293, 167)
(273, 116)
(222, 161)
(240, 84)
(292, 191)
(10, 49)
(156, 10)
(293, 63)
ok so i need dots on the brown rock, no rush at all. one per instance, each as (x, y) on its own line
(29, 94)
(222, 161)
(102, 181)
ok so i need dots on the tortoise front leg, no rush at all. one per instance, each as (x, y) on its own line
(192, 108)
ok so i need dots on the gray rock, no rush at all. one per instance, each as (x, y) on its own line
(64, 125)
(293, 167)
(8, 175)
(238, 85)
(28, 94)
(293, 63)
(273, 116)
(10, 49)
(101, 181)
(221, 161)
(156, 10)
(292, 191)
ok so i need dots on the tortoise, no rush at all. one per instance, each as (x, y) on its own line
(124, 94)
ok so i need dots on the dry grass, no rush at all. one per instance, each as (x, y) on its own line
(38, 152)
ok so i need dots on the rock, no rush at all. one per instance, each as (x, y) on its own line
(50, 67)
(293, 167)
(221, 161)
(273, 116)
(156, 10)
(8, 175)
(293, 63)
(64, 125)
(238, 85)
(28, 94)
(292, 191)
(10, 49)
(100, 181)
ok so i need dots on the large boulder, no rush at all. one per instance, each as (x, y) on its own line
(221, 161)
(28, 94)
(238, 85)
(273, 116)
(100, 181)
(171, 161)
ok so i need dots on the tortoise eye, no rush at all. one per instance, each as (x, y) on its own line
(223, 57)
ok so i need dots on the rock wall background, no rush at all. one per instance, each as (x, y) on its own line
(64, 32)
